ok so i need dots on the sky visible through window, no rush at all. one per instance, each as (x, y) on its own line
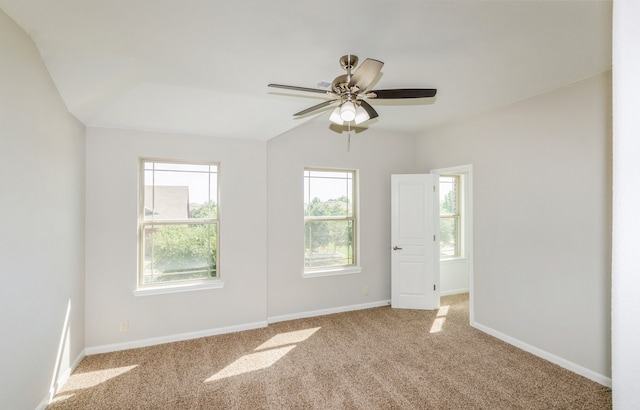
(327, 185)
(196, 177)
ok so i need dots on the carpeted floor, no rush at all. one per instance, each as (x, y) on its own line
(378, 358)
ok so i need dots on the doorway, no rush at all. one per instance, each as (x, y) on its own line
(456, 231)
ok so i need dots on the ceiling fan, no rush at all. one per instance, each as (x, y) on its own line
(349, 91)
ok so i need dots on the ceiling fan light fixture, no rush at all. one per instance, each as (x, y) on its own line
(348, 111)
(335, 117)
(361, 115)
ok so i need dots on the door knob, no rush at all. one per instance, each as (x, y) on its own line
(395, 248)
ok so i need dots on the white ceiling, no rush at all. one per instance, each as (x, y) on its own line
(202, 66)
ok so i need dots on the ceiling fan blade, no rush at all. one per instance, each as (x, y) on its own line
(366, 73)
(402, 93)
(369, 109)
(296, 88)
(315, 107)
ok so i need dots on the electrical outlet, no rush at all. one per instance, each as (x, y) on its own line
(366, 291)
(124, 326)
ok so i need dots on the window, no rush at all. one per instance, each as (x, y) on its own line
(450, 216)
(329, 219)
(178, 223)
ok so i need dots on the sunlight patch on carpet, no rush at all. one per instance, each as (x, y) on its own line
(288, 338)
(252, 362)
(90, 379)
(438, 323)
(62, 397)
(266, 355)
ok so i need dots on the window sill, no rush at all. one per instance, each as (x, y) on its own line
(332, 272)
(454, 260)
(177, 288)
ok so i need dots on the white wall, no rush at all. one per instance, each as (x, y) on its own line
(111, 207)
(42, 225)
(376, 154)
(454, 276)
(626, 203)
(542, 209)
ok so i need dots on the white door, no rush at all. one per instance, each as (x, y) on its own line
(415, 261)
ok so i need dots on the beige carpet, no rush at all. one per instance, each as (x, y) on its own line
(378, 358)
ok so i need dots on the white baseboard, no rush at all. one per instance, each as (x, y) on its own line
(62, 378)
(172, 338)
(329, 311)
(230, 329)
(576, 368)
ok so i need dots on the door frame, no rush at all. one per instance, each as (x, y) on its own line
(467, 171)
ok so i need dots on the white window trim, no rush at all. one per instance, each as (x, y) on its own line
(460, 198)
(453, 261)
(176, 286)
(346, 269)
(466, 172)
(179, 287)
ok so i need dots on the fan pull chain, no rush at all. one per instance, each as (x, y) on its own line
(349, 139)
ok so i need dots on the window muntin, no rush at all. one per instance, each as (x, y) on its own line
(178, 223)
(329, 219)
(450, 216)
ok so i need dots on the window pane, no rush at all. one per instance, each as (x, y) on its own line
(179, 252)
(180, 191)
(449, 227)
(328, 193)
(328, 243)
(449, 195)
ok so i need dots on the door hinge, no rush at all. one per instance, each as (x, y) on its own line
(434, 188)
(434, 238)
(434, 286)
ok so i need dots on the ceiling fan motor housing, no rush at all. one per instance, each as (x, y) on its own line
(348, 62)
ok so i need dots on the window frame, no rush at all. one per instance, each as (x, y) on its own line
(352, 267)
(179, 285)
(456, 217)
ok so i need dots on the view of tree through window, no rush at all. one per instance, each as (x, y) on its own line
(178, 222)
(449, 216)
(329, 218)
